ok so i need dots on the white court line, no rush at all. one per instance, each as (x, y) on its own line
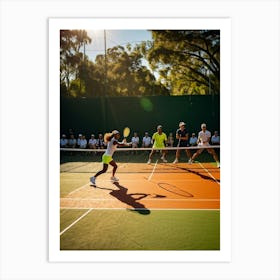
(157, 209)
(146, 199)
(209, 173)
(76, 221)
(76, 190)
(151, 175)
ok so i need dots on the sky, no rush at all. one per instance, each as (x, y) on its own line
(113, 38)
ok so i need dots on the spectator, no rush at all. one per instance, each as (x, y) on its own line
(63, 141)
(83, 142)
(146, 141)
(92, 142)
(215, 140)
(79, 140)
(193, 140)
(170, 140)
(100, 142)
(135, 140)
(183, 136)
(204, 137)
(72, 141)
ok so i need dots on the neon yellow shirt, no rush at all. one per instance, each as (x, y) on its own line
(159, 140)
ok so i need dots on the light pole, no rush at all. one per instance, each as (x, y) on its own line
(105, 53)
(207, 72)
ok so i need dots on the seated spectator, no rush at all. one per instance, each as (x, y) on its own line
(193, 140)
(146, 141)
(92, 142)
(100, 142)
(79, 140)
(135, 140)
(83, 142)
(63, 141)
(215, 139)
(170, 140)
(72, 141)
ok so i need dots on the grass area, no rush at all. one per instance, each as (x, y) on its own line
(70, 181)
(132, 230)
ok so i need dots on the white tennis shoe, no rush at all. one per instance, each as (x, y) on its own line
(149, 161)
(92, 180)
(114, 179)
(163, 159)
(190, 161)
(175, 161)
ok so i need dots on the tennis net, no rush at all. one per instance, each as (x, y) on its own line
(135, 160)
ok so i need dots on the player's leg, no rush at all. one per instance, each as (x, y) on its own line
(195, 155)
(177, 156)
(163, 157)
(105, 167)
(188, 153)
(93, 178)
(150, 156)
(214, 155)
(115, 166)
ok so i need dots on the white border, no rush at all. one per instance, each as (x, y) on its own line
(55, 24)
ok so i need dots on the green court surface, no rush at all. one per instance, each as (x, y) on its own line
(114, 229)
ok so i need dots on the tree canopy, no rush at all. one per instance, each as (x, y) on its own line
(175, 62)
(188, 60)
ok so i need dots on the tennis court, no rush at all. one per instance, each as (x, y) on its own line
(161, 206)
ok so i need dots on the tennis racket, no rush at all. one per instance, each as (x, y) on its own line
(126, 132)
(178, 145)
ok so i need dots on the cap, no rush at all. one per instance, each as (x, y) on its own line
(63, 135)
(92, 135)
(114, 132)
(203, 125)
(80, 135)
(181, 123)
(159, 126)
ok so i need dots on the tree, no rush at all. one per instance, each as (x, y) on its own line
(188, 61)
(71, 58)
(121, 74)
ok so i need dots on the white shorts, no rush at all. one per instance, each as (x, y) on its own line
(203, 146)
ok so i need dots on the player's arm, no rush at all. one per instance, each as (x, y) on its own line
(198, 138)
(185, 138)
(122, 144)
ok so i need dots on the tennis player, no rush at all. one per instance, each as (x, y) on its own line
(159, 139)
(107, 158)
(204, 137)
(183, 136)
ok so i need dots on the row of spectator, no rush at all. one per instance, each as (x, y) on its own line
(98, 143)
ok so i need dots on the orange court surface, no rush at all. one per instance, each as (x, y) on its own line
(142, 186)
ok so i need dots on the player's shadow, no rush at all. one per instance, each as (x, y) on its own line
(129, 199)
